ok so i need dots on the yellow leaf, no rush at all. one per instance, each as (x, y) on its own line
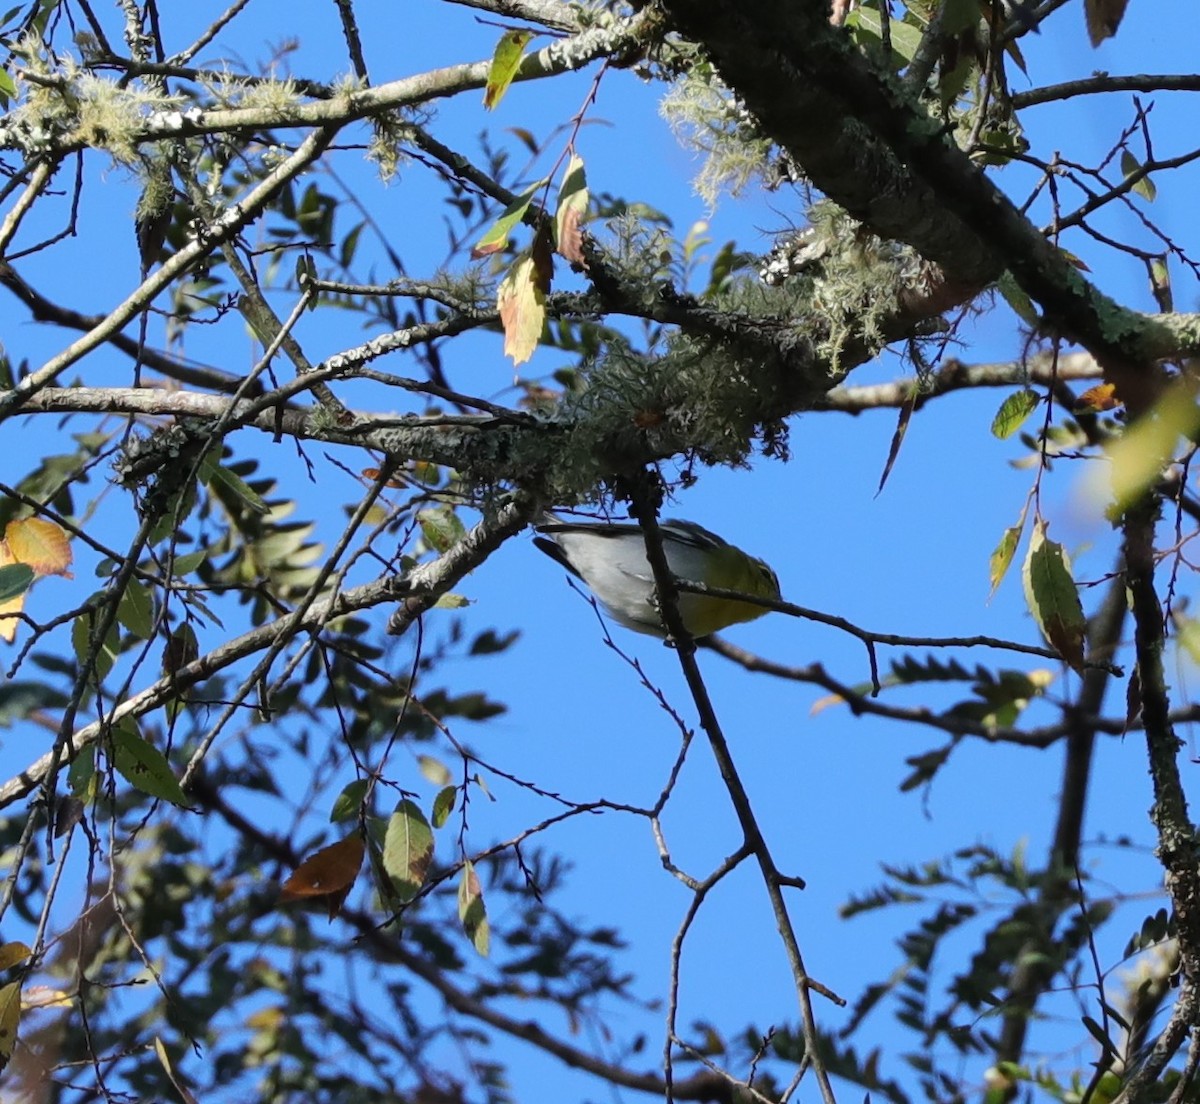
(10, 1020)
(40, 544)
(522, 303)
(13, 953)
(1098, 399)
(505, 63)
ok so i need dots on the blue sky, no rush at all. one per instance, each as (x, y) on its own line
(912, 559)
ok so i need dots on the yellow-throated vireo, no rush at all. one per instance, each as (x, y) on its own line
(611, 559)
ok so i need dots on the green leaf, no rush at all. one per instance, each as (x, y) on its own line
(8, 88)
(1002, 557)
(136, 610)
(349, 801)
(450, 600)
(497, 236)
(471, 910)
(1013, 412)
(14, 580)
(106, 654)
(435, 770)
(1130, 166)
(1053, 598)
(407, 849)
(1016, 298)
(864, 24)
(443, 805)
(238, 488)
(505, 63)
(187, 563)
(441, 528)
(143, 766)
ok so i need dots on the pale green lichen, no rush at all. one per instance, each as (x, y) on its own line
(708, 119)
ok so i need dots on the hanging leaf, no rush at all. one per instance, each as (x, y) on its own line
(1015, 297)
(443, 805)
(164, 1059)
(435, 770)
(1053, 598)
(471, 910)
(143, 766)
(1103, 18)
(12, 954)
(505, 63)
(1148, 446)
(1013, 412)
(136, 609)
(326, 876)
(349, 801)
(572, 206)
(10, 1020)
(441, 528)
(407, 850)
(1002, 557)
(497, 236)
(906, 413)
(14, 581)
(41, 544)
(522, 303)
(1130, 167)
(81, 641)
(221, 478)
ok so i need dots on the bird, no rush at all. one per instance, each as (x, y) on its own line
(610, 557)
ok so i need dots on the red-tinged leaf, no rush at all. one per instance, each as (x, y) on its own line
(1097, 399)
(1013, 412)
(471, 910)
(906, 412)
(505, 63)
(326, 876)
(572, 206)
(497, 236)
(40, 544)
(1053, 598)
(407, 850)
(522, 303)
(1103, 18)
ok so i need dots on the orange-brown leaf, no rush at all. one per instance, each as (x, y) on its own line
(1103, 18)
(327, 875)
(41, 544)
(1096, 399)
